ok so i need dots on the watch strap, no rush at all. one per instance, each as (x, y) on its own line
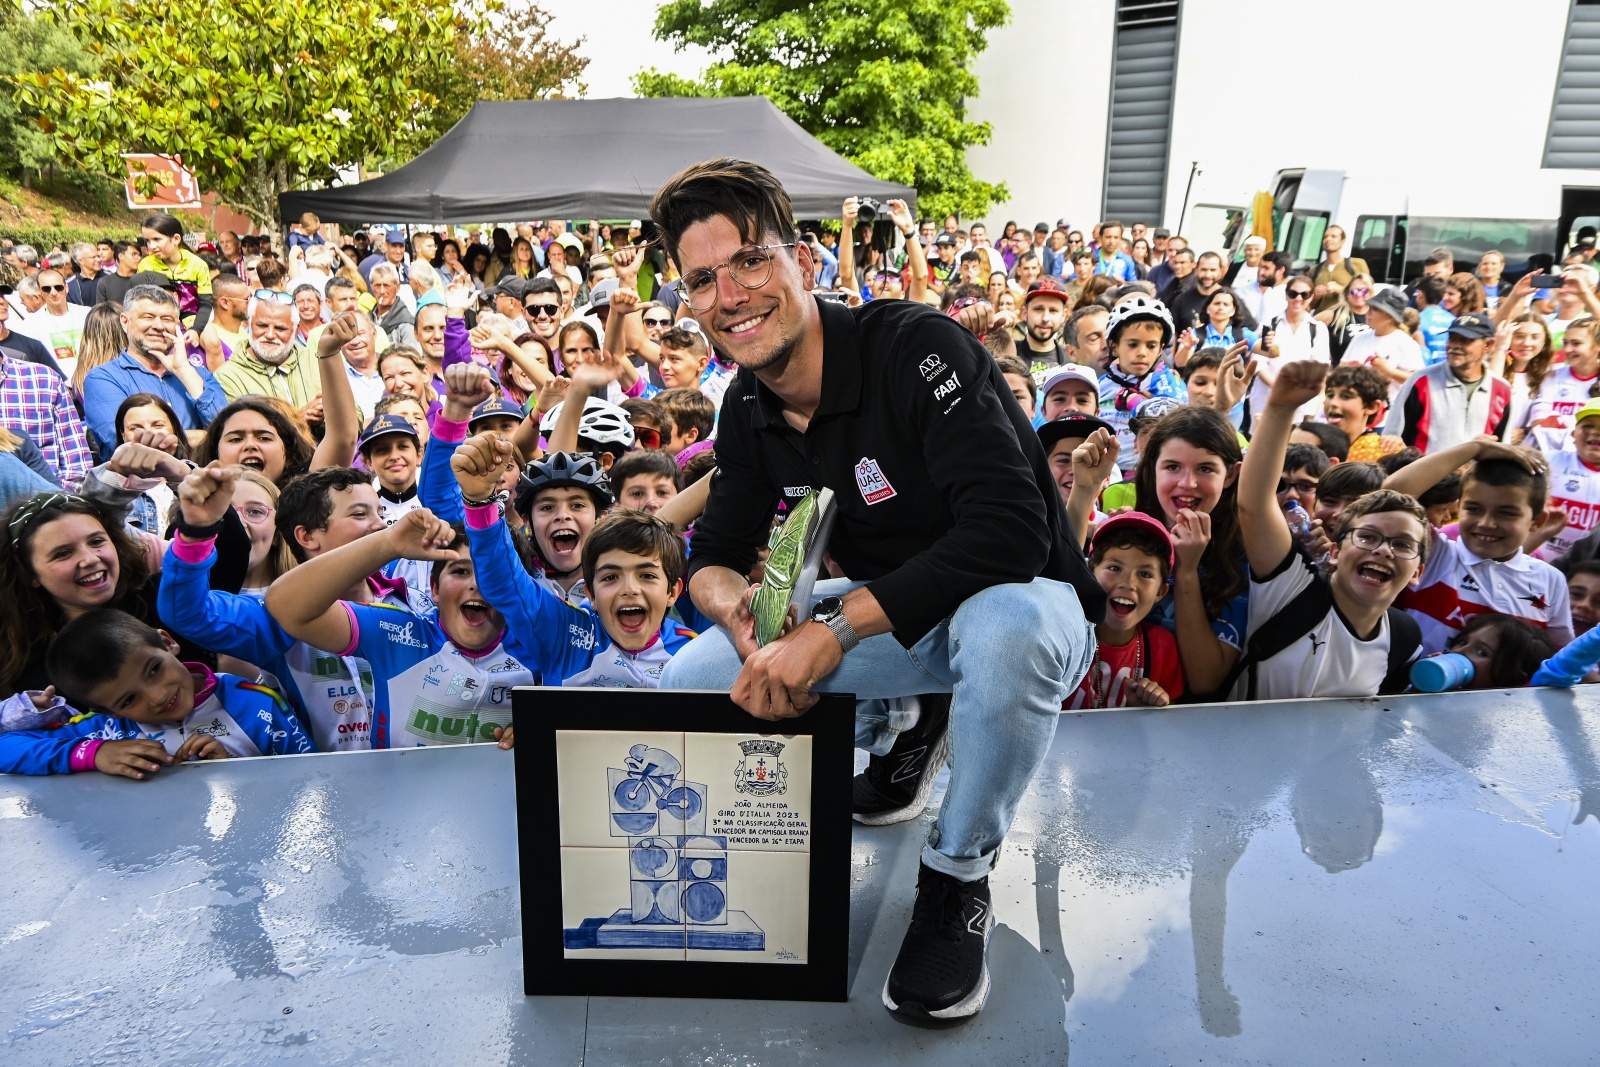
(842, 630)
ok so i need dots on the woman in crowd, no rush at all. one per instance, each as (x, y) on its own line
(102, 341)
(189, 273)
(1524, 360)
(255, 432)
(151, 414)
(1140, 251)
(255, 500)
(405, 371)
(523, 264)
(1223, 318)
(448, 263)
(476, 261)
(1348, 315)
(1464, 295)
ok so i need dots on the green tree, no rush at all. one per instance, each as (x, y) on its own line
(883, 83)
(29, 43)
(256, 96)
(512, 57)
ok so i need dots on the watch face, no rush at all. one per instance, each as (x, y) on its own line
(828, 605)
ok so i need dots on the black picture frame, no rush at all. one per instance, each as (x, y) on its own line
(538, 712)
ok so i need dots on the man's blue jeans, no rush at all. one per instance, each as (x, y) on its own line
(1008, 656)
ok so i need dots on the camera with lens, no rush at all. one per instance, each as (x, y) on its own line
(868, 209)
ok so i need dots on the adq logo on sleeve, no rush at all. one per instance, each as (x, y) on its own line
(875, 488)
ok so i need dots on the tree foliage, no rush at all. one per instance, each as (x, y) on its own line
(513, 57)
(30, 43)
(257, 96)
(882, 82)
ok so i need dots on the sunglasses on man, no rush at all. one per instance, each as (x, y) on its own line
(540, 310)
(52, 288)
(274, 296)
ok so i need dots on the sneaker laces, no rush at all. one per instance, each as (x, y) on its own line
(941, 907)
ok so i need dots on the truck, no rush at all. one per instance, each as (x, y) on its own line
(1394, 223)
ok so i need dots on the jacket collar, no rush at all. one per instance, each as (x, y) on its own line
(841, 370)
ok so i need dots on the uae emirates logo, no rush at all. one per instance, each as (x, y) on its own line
(760, 773)
(874, 487)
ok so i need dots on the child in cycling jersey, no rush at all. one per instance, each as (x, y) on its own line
(151, 709)
(1503, 499)
(444, 681)
(633, 566)
(1139, 329)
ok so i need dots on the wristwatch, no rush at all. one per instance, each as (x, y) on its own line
(829, 611)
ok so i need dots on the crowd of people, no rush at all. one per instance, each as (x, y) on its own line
(347, 491)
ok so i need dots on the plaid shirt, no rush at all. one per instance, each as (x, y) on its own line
(37, 400)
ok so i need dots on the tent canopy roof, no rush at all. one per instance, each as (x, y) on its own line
(592, 159)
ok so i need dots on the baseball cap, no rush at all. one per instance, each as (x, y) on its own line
(1041, 227)
(495, 405)
(1472, 326)
(382, 426)
(1152, 409)
(1072, 424)
(395, 235)
(152, 277)
(1591, 407)
(600, 295)
(944, 239)
(1070, 372)
(1046, 286)
(1138, 520)
(567, 240)
(514, 287)
(1391, 303)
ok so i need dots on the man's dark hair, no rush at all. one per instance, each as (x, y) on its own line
(646, 461)
(1185, 252)
(1508, 472)
(92, 649)
(338, 281)
(1280, 260)
(308, 501)
(1431, 288)
(1350, 481)
(1069, 332)
(1366, 383)
(119, 247)
(1438, 256)
(1305, 458)
(638, 533)
(1332, 442)
(689, 409)
(746, 194)
(1209, 358)
(1135, 537)
(1026, 257)
(542, 285)
(1082, 253)
(638, 407)
(1211, 255)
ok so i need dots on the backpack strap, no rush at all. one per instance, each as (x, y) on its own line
(1294, 620)
(1405, 637)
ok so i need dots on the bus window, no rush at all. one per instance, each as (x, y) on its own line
(1303, 239)
(1216, 226)
(1469, 239)
(1374, 243)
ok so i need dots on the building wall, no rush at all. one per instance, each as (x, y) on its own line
(1449, 103)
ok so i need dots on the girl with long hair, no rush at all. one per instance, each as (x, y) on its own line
(255, 500)
(103, 340)
(1187, 478)
(523, 263)
(255, 432)
(1348, 315)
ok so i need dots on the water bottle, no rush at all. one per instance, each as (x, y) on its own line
(1436, 674)
(1300, 529)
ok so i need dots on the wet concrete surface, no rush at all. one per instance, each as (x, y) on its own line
(1407, 880)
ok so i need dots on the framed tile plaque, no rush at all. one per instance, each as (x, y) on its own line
(671, 845)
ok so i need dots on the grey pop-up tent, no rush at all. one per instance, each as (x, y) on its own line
(592, 159)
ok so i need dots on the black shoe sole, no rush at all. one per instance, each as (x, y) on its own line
(964, 1010)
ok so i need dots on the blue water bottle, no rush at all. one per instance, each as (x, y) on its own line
(1435, 674)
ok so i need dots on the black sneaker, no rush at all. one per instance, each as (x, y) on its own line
(895, 788)
(941, 974)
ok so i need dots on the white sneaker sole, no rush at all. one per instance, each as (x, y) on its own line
(919, 800)
(967, 1006)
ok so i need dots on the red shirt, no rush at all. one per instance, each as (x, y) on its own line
(1153, 653)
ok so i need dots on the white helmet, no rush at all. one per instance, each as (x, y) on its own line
(603, 423)
(1137, 308)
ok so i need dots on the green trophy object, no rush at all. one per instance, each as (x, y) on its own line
(794, 559)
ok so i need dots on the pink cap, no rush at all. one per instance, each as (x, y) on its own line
(1144, 522)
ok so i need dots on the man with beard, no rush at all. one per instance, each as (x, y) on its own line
(1045, 311)
(271, 364)
(908, 419)
(1189, 303)
(155, 362)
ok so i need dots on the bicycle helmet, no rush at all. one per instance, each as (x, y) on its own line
(1140, 308)
(603, 423)
(560, 469)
